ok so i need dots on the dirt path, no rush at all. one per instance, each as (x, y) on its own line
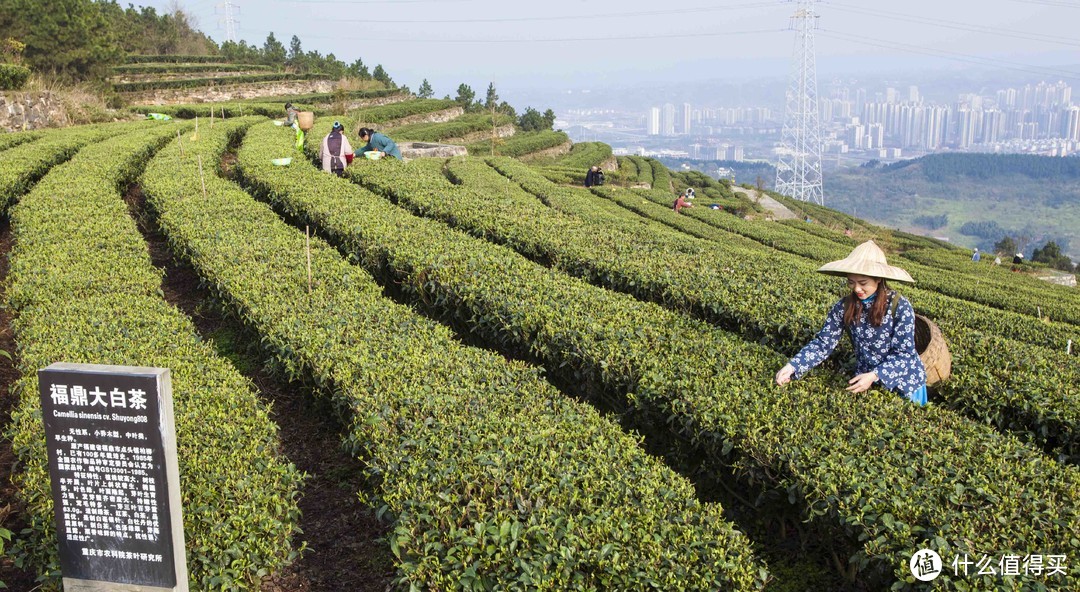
(779, 210)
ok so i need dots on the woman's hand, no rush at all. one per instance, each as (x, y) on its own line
(784, 375)
(862, 382)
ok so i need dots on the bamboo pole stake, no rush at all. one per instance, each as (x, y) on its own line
(179, 143)
(201, 178)
(307, 249)
(223, 113)
(1068, 348)
(211, 117)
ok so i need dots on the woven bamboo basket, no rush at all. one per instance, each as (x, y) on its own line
(306, 120)
(933, 351)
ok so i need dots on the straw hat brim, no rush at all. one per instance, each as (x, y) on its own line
(847, 266)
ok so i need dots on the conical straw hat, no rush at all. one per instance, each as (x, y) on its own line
(866, 259)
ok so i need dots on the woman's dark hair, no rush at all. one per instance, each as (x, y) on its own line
(288, 105)
(365, 131)
(853, 307)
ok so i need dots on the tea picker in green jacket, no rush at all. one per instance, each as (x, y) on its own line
(377, 142)
(292, 115)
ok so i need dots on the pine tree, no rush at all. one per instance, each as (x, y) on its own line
(273, 52)
(425, 92)
(465, 95)
(380, 74)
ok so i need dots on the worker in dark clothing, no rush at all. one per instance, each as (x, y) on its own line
(595, 177)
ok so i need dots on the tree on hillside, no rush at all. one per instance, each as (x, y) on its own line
(1005, 245)
(425, 91)
(240, 52)
(71, 38)
(380, 74)
(143, 31)
(359, 70)
(273, 51)
(333, 66)
(492, 101)
(465, 96)
(531, 120)
(296, 51)
(1051, 255)
(549, 119)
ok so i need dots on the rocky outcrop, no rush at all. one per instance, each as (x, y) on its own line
(432, 117)
(559, 150)
(503, 131)
(230, 92)
(31, 110)
(411, 150)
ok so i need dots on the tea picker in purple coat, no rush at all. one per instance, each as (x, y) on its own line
(880, 323)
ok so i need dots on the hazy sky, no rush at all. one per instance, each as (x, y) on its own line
(598, 43)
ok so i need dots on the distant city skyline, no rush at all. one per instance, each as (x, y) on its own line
(861, 123)
(604, 43)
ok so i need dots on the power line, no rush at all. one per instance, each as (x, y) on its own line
(372, 1)
(1060, 4)
(555, 40)
(1040, 71)
(676, 11)
(956, 25)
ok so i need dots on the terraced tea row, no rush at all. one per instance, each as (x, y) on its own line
(793, 240)
(521, 144)
(14, 139)
(87, 292)
(457, 128)
(586, 154)
(25, 164)
(728, 287)
(858, 465)
(494, 478)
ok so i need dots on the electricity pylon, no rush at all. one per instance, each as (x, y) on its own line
(798, 174)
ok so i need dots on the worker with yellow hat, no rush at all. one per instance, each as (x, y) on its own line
(880, 322)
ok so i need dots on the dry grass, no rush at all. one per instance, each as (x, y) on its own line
(80, 103)
(350, 84)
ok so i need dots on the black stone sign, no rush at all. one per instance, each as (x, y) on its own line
(115, 483)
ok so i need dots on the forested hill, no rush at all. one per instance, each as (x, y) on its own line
(949, 195)
(941, 167)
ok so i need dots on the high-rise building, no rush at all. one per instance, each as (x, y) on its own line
(653, 125)
(913, 95)
(993, 121)
(969, 125)
(856, 136)
(684, 120)
(876, 134)
(1072, 125)
(667, 120)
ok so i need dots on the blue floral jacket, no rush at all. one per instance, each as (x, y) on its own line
(888, 350)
